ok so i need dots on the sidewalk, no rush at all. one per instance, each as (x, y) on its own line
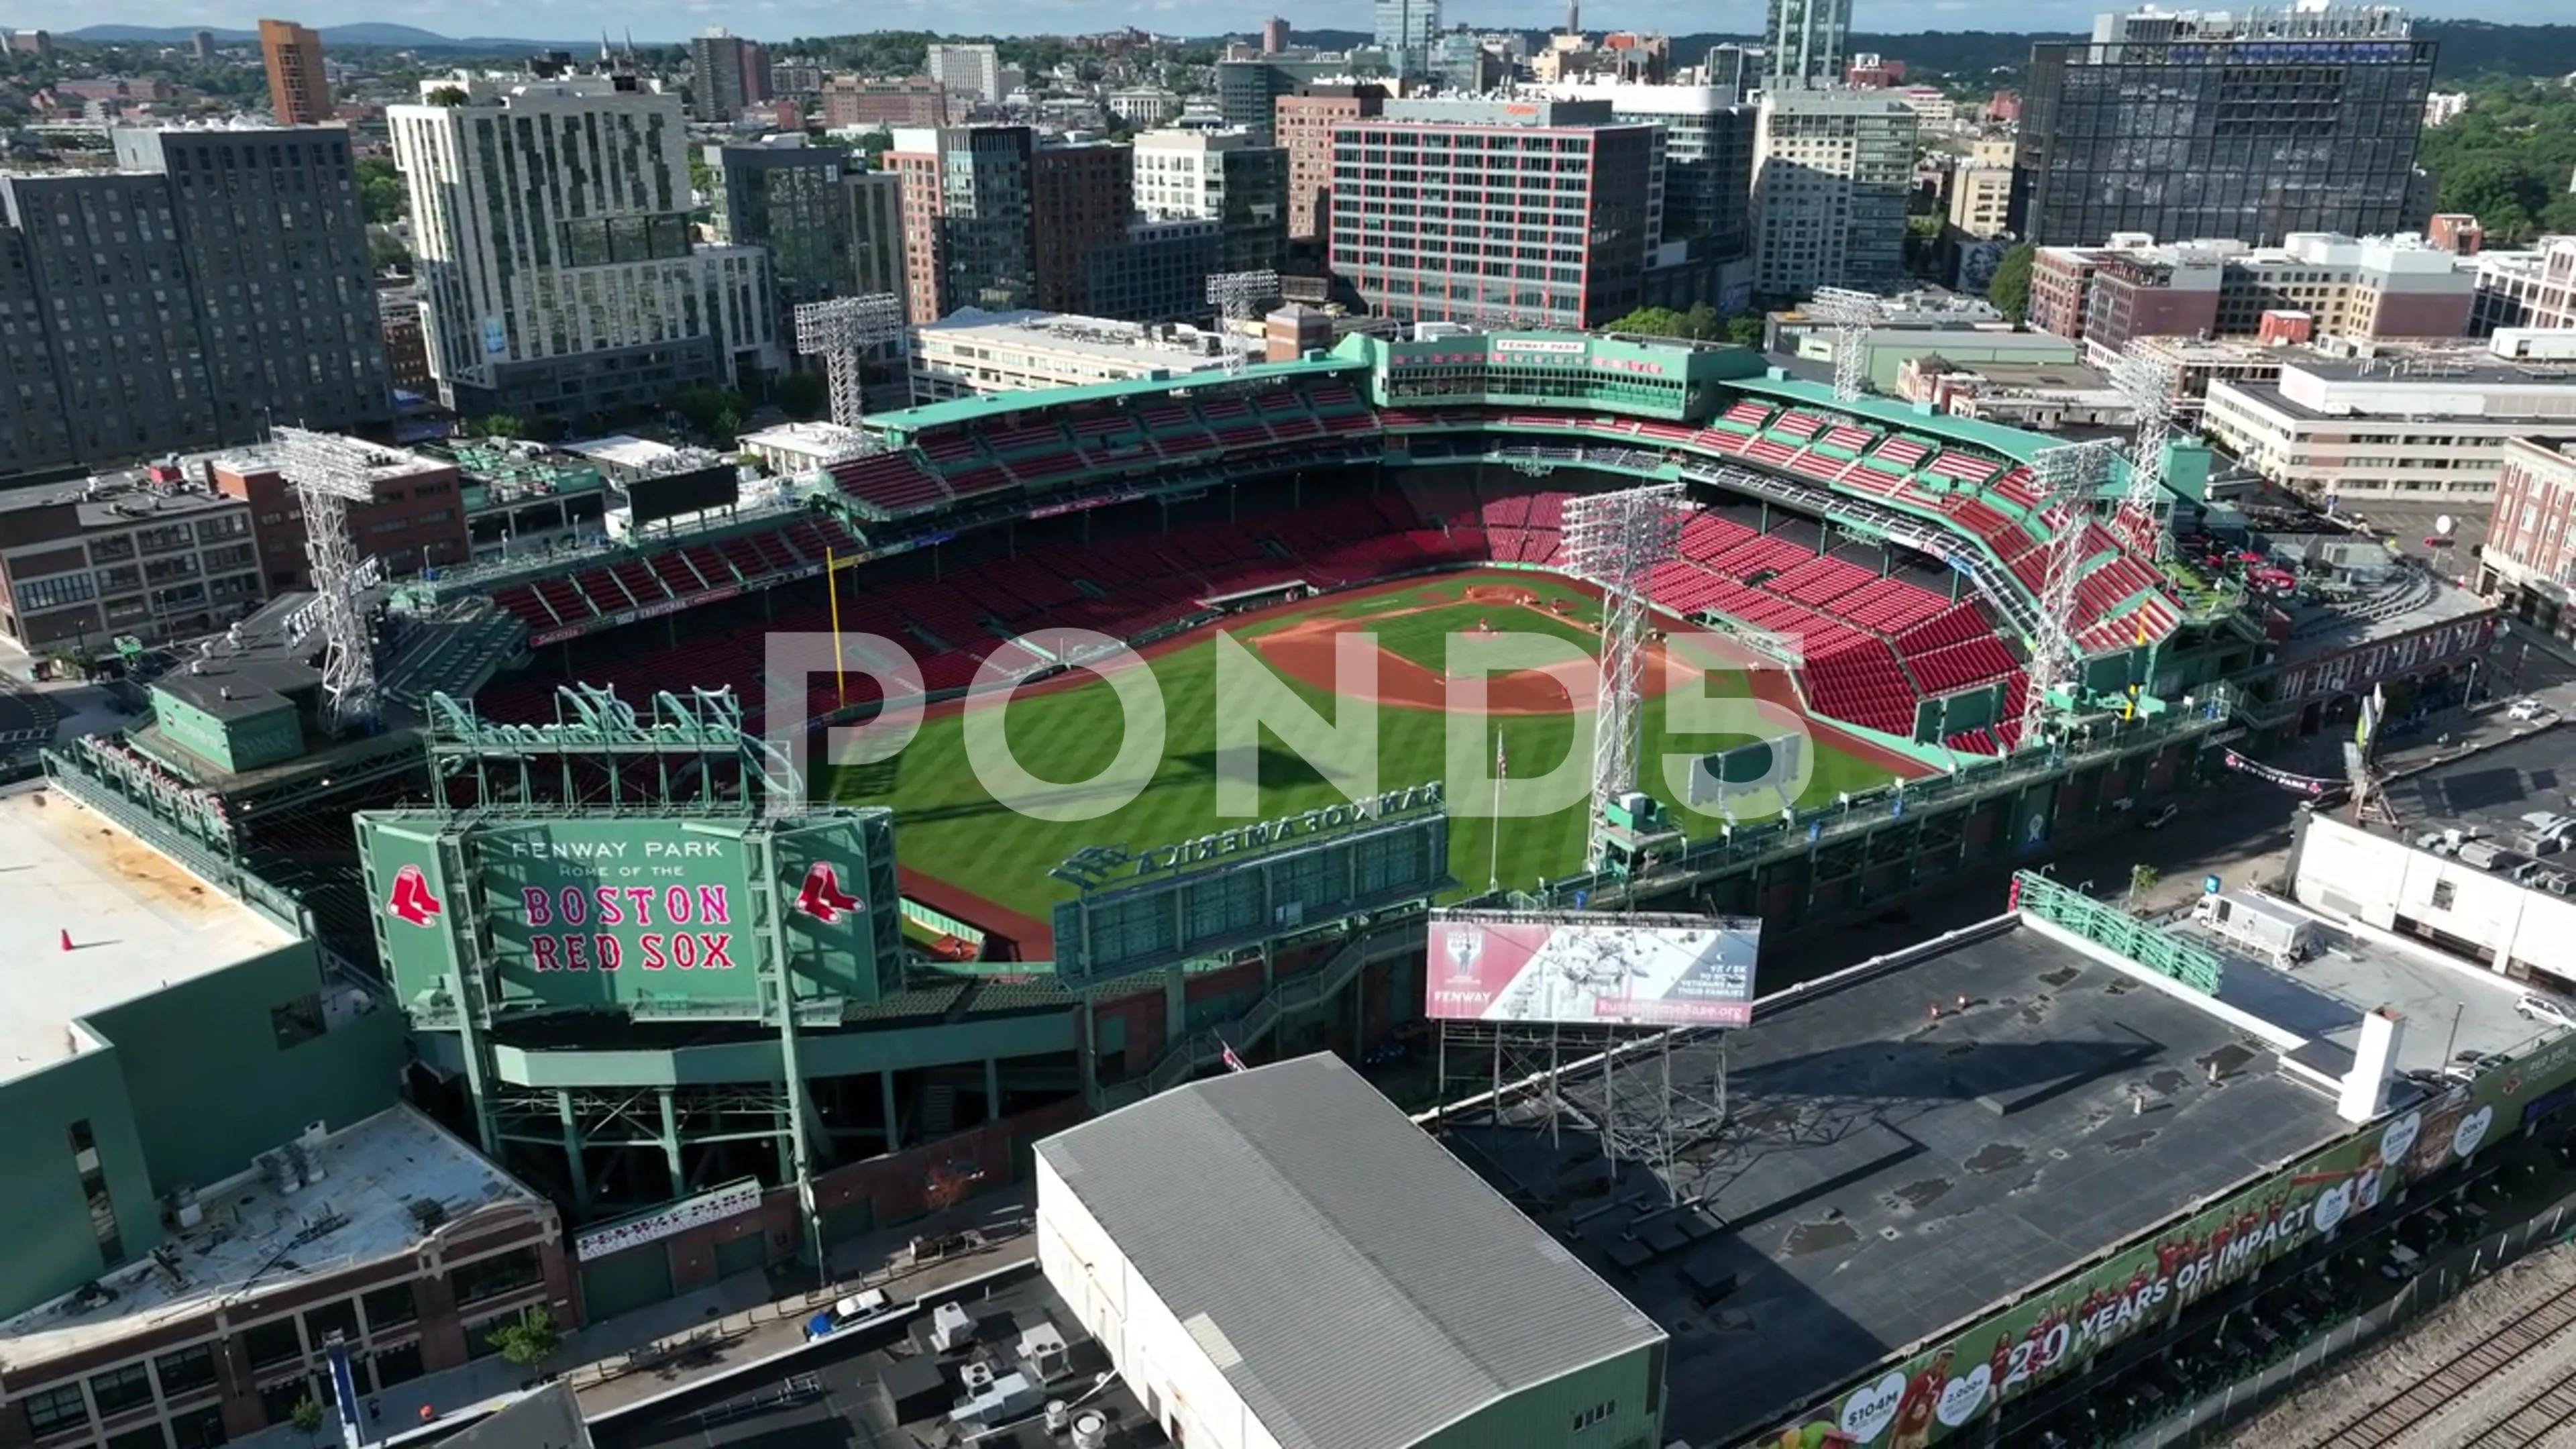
(698, 1337)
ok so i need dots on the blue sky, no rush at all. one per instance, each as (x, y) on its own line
(765, 19)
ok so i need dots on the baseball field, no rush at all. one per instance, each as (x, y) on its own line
(967, 854)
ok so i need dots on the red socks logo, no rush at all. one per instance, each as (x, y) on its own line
(822, 896)
(411, 900)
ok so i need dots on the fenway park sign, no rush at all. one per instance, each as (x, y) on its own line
(668, 1222)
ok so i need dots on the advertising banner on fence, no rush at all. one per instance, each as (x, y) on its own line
(1604, 970)
(1942, 1391)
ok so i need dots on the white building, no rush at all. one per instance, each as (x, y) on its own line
(550, 228)
(1144, 105)
(2425, 425)
(2386, 880)
(1182, 173)
(971, 71)
(1280, 1257)
(2535, 288)
(2443, 107)
(970, 353)
(1831, 172)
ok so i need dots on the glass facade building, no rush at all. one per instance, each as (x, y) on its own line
(2248, 126)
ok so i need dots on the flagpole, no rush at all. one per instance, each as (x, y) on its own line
(1494, 867)
(832, 585)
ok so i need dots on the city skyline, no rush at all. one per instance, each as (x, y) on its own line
(673, 24)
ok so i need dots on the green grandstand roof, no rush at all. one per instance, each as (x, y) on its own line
(983, 409)
(2011, 443)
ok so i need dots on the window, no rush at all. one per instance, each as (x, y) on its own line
(120, 1389)
(56, 1410)
(2442, 895)
(83, 1141)
(150, 1437)
(203, 1429)
(487, 1278)
(296, 1023)
(271, 1343)
(389, 1308)
(340, 1317)
(185, 1371)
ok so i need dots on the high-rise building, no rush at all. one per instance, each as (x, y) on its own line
(1404, 32)
(716, 76)
(786, 198)
(1522, 213)
(1728, 71)
(1708, 161)
(550, 222)
(1831, 173)
(973, 72)
(2248, 125)
(967, 215)
(299, 92)
(216, 285)
(1804, 42)
(873, 203)
(1220, 176)
(1304, 124)
(756, 74)
(201, 46)
(1158, 272)
(277, 246)
(1274, 35)
(1082, 196)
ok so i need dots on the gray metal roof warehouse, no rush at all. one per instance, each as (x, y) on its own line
(1364, 1286)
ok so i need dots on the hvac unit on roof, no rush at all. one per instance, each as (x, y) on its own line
(1091, 1430)
(950, 1327)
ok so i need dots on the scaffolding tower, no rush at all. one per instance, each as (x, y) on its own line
(841, 332)
(1618, 540)
(328, 474)
(1851, 314)
(2065, 478)
(2146, 380)
(1237, 297)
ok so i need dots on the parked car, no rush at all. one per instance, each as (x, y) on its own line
(2546, 1010)
(2525, 710)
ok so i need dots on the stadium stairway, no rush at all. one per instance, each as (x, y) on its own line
(453, 653)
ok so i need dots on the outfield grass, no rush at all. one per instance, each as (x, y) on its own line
(949, 828)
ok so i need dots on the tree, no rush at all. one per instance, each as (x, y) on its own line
(2142, 881)
(381, 192)
(493, 425)
(1746, 330)
(528, 1340)
(306, 1416)
(2009, 288)
(717, 410)
(803, 396)
(447, 96)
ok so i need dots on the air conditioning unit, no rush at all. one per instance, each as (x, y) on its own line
(950, 1327)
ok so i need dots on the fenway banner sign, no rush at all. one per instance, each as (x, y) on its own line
(2308, 785)
(666, 1222)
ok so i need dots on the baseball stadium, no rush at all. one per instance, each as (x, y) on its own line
(728, 997)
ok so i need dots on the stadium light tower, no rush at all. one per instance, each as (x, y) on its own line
(1851, 314)
(2065, 478)
(1618, 540)
(328, 474)
(1234, 295)
(840, 332)
(2145, 379)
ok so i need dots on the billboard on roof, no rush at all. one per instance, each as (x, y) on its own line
(1591, 970)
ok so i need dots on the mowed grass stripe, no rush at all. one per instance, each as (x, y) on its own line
(948, 827)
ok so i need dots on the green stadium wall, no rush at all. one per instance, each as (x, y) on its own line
(190, 1084)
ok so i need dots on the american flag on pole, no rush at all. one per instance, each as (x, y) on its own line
(1233, 1063)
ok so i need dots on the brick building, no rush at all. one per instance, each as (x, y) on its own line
(417, 518)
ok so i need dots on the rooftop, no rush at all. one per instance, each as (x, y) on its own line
(1348, 1261)
(1178, 348)
(358, 1206)
(257, 662)
(1882, 1176)
(382, 462)
(137, 923)
(887, 1386)
(2493, 788)
(120, 500)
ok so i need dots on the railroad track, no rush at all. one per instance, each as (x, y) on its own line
(2394, 1420)
(2544, 1420)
